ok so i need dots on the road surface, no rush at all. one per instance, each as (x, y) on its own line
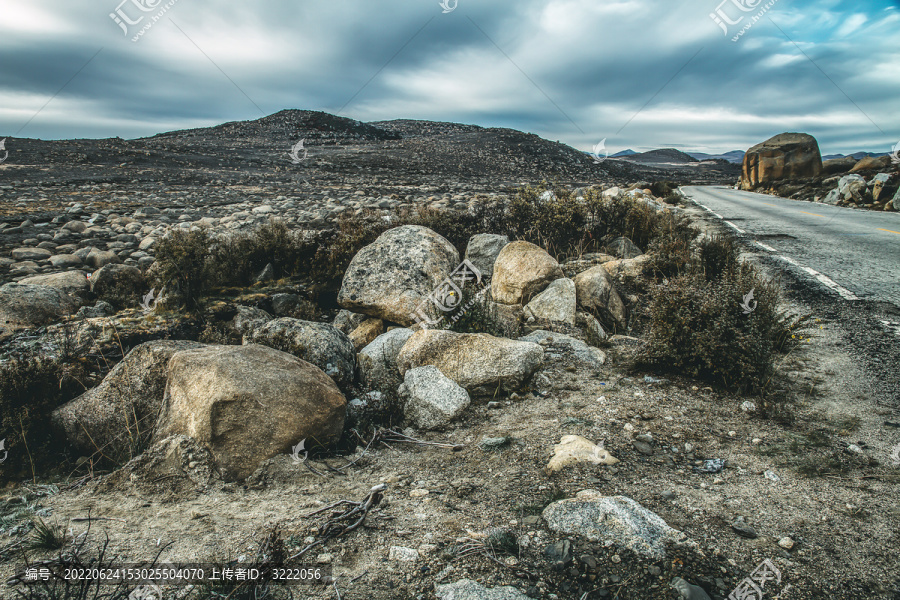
(854, 253)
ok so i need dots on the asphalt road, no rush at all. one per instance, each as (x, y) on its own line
(854, 253)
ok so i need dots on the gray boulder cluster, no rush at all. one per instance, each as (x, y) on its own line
(291, 379)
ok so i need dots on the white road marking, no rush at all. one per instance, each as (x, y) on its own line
(823, 279)
(790, 260)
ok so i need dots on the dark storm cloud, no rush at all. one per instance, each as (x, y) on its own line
(570, 70)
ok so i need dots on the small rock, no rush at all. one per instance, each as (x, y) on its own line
(574, 449)
(401, 554)
(688, 591)
(668, 495)
(559, 553)
(786, 543)
(748, 406)
(744, 530)
(494, 443)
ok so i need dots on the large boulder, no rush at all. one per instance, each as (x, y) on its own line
(785, 156)
(614, 520)
(247, 404)
(123, 409)
(478, 362)
(120, 285)
(24, 305)
(872, 163)
(483, 249)
(556, 304)
(838, 165)
(430, 399)
(378, 361)
(597, 293)
(319, 343)
(391, 277)
(521, 271)
(70, 282)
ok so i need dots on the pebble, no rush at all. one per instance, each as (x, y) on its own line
(744, 530)
(786, 543)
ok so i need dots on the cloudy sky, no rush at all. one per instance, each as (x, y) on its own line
(641, 74)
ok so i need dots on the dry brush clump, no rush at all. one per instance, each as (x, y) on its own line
(706, 324)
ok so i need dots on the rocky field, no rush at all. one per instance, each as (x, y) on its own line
(383, 355)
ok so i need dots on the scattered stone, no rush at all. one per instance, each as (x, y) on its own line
(616, 519)
(31, 254)
(248, 319)
(624, 248)
(120, 285)
(786, 543)
(713, 465)
(560, 553)
(378, 361)
(597, 293)
(347, 321)
(483, 249)
(366, 333)
(318, 343)
(748, 407)
(521, 271)
(267, 274)
(431, 400)
(100, 309)
(594, 333)
(65, 261)
(556, 304)
(100, 258)
(70, 282)
(477, 361)
(574, 449)
(668, 495)
(573, 350)
(784, 156)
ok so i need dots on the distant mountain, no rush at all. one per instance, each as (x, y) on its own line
(628, 152)
(735, 156)
(856, 155)
(665, 155)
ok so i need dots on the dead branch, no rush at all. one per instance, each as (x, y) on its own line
(340, 521)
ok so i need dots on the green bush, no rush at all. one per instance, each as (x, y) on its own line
(182, 265)
(30, 389)
(699, 325)
(239, 259)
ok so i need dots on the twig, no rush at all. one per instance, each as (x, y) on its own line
(333, 527)
(399, 437)
(360, 576)
(82, 519)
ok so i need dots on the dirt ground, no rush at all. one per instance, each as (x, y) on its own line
(823, 478)
(843, 523)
